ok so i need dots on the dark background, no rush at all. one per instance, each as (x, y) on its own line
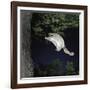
(48, 62)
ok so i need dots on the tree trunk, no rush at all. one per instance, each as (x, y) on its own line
(25, 42)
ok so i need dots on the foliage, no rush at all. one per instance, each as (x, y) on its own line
(52, 69)
(70, 68)
(55, 68)
(43, 23)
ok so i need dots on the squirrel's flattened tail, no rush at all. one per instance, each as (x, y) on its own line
(66, 51)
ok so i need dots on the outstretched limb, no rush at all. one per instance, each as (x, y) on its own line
(66, 51)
